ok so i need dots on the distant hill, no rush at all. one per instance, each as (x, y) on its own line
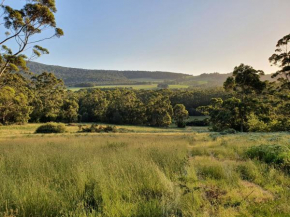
(72, 76)
(82, 77)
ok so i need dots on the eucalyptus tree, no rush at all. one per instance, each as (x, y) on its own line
(23, 30)
(180, 114)
(281, 58)
(49, 93)
(245, 84)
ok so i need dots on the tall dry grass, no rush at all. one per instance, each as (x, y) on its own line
(135, 174)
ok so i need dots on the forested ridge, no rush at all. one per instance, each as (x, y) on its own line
(84, 77)
(72, 76)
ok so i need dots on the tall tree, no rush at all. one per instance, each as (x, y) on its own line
(49, 95)
(245, 83)
(14, 106)
(22, 26)
(281, 58)
(180, 114)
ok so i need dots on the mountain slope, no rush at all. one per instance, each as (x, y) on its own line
(79, 77)
(72, 76)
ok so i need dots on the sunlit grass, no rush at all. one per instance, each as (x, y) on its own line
(141, 173)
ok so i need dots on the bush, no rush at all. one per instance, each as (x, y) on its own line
(256, 125)
(181, 124)
(277, 155)
(198, 123)
(51, 128)
(228, 131)
(94, 128)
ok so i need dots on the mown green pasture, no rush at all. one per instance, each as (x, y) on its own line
(144, 172)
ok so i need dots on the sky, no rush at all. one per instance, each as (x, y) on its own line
(186, 36)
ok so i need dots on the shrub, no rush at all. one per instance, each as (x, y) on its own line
(277, 155)
(51, 128)
(228, 131)
(256, 125)
(181, 124)
(199, 123)
(94, 128)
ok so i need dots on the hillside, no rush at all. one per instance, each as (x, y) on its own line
(75, 77)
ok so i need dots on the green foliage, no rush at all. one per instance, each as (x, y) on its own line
(94, 128)
(281, 58)
(48, 98)
(14, 106)
(245, 84)
(277, 155)
(180, 114)
(197, 122)
(69, 110)
(255, 106)
(32, 19)
(256, 125)
(51, 128)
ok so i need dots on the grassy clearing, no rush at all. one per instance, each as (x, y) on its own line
(135, 87)
(29, 129)
(181, 173)
(147, 80)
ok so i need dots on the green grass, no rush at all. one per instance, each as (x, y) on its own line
(136, 87)
(29, 129)
(145, 172)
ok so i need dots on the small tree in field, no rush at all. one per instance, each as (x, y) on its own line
(180, 114)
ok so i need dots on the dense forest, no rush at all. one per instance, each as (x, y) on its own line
(44, 98)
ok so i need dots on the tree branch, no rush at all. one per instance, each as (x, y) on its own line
(41, 40)
(13, 35)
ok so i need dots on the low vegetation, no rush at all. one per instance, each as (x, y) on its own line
(94, 128)
(133, 174)
(276, 155)
(51, 128)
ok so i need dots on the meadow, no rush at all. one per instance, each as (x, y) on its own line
(144, 172)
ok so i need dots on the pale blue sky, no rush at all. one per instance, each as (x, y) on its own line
(189, 36)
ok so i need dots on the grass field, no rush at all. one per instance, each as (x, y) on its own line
(136, 87)
(147, 80)
(145, 172)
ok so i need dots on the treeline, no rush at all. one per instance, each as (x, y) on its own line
(255, 105)
(44, 98)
